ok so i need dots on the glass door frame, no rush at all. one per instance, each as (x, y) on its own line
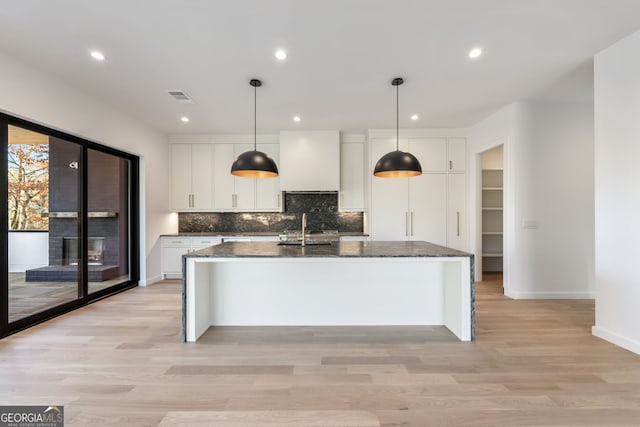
(133, 235)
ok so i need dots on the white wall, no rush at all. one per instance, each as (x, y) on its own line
(27, 250)
(617, 193)
(564, 247)
(33, 95)
(548, 184)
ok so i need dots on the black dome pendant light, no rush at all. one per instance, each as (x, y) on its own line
(397, 164)
(254, 164)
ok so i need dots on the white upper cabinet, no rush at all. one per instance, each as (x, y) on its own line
(231, 193)
(244, 189)
(431, 207)
(191, 177)
(431, 152)
(310, 160)
(201, 179)
(351, 176)
(223, 187)
(457, 154)
(428, 208)
(181, 176)
(389, 215)
(456, 212)
(268, 194)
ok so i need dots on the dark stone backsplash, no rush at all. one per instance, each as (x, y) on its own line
(321, 208)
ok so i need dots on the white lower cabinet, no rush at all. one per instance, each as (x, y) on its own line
(174, 247)
(354, 238)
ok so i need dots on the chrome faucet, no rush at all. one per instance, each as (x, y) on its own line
(304, 226)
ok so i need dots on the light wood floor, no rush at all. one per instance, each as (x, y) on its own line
(121, 362)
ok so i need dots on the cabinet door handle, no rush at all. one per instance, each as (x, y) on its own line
(234, 200)
(278, 200)
(457, 223)
(412, 223)
(342, 199)
(450, 164)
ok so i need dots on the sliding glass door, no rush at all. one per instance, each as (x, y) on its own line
(69, 221)
(43, 187)
(108, 203)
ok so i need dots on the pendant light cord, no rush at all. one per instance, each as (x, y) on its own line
(397, 118)
(255, 108)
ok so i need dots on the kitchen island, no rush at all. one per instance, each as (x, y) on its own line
(345, 283)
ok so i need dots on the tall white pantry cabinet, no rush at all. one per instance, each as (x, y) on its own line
(429, 207)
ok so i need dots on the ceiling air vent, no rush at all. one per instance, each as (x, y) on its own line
(180, 96)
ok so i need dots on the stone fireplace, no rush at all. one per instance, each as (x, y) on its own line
(107, 222)
(95, 250)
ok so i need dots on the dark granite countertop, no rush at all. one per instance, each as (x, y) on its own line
(222, 233)
(247, 233)
(335, 250)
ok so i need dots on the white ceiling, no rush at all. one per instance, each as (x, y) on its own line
(342, 57)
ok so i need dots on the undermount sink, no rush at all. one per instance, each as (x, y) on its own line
(306, 243)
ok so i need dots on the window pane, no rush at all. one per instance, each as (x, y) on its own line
(108, 203)
(43, 185)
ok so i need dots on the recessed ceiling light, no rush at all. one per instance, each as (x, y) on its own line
(184, 119)
(296, 118)
(475, 52)
(281, 54)
(415, 117)
(98, 56)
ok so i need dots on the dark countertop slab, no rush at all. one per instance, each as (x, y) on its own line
(247, 233)
(335, 250)
(222, 233)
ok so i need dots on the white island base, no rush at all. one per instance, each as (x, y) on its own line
(241, 291)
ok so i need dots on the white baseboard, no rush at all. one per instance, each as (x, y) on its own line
(550, 295)
(151, 280)
(617, 339)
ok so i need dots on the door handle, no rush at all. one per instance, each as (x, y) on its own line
(411, 223)
(450, 164)
(234, 200)
(406, 224)
(457, 223)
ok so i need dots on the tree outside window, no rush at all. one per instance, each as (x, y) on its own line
(28, 182)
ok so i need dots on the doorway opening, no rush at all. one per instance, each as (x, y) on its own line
(492, 216)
